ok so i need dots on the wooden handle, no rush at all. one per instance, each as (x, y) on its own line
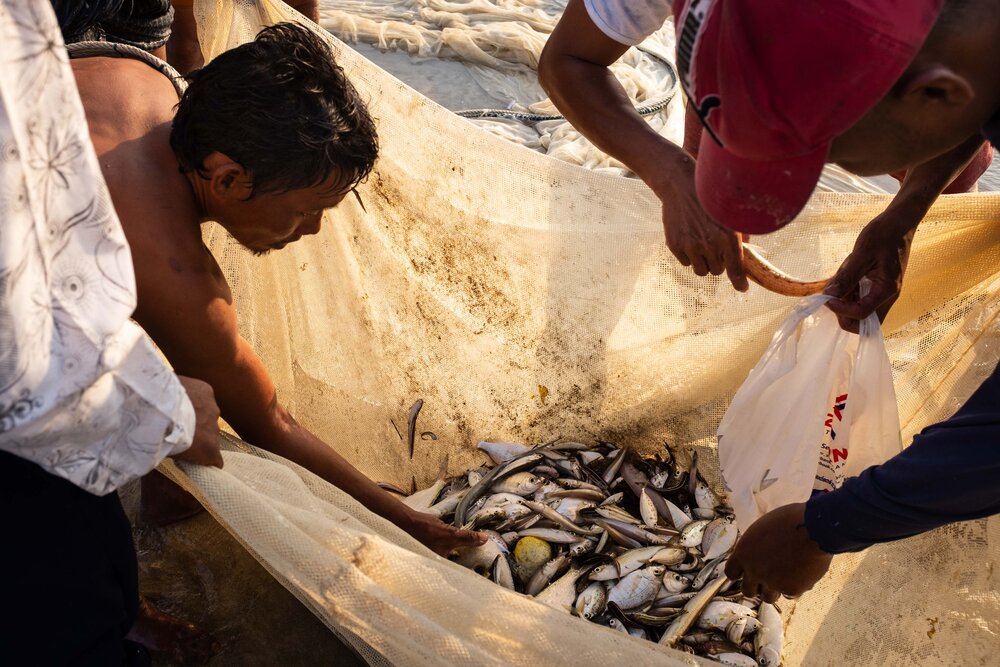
(772, 278)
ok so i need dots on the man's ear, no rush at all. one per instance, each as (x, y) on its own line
(938, 84)
(227, 179)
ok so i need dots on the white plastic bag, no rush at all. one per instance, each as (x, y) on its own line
(818, 407)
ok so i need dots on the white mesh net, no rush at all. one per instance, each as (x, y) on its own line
(525, 298)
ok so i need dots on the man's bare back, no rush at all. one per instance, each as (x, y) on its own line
(184, 301)
(129, 107)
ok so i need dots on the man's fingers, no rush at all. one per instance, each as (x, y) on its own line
(734, 267)
(465, 537)
(734, 569)
(769, 595)
(847, 277)
(716, 261)
(698, 264)
(750, 587)
(679, 253)
(856, 310)
(848, 324)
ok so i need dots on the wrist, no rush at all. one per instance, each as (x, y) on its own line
(398, 513)
(823, 525)
(668, 170)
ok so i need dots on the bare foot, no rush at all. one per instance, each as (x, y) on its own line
(162, 633)
(162, 502)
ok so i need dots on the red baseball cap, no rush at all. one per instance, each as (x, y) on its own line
(774, 81)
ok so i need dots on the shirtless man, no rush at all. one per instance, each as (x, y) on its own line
(266, 138)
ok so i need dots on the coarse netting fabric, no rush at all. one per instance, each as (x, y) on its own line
(525, 298)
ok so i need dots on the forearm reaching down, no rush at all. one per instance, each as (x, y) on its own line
(574, 71)
(882, 248)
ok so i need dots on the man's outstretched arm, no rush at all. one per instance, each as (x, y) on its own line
(573, 70)
(947, 475)
(198, 334)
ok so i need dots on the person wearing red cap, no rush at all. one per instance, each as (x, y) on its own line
(937, 99)
(593, 34)
(782, 87)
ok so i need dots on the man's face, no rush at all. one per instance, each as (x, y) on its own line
(902, 133)
(949, 92)
(270, 221)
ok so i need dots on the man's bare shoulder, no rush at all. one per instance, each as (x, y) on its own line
(129, 108)
(122, 97)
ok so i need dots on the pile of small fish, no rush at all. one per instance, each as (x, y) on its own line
(637, 544)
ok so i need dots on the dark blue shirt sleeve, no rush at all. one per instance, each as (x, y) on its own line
(950, 473)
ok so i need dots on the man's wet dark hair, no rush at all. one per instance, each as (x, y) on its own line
(282, 108)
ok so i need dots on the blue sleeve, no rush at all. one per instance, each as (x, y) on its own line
(950, 473)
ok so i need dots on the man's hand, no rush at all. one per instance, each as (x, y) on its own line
(438, 536)
(694, 238)
(880, 254)
(204, 449)
(777, 557)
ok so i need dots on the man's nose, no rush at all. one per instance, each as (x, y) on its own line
(313, 226)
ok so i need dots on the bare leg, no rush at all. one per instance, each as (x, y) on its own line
(183, 50)
(308, 8)
(162, 633)
(162, 502)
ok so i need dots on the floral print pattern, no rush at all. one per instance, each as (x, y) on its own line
(83, 392)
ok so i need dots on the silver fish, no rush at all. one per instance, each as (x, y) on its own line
(446, 506)
(551, 535)
(520, 484)
(545, 573)
(720, 536)
(669, 556)
(482, 558)
(692, 533)
(500, 572)
(692, 610)
(479, 489)
(637, 589)
(624, 564)
(615, 465)
(559, 519)
(709, 572)
(647, 509)
(769, 640)
(615, 624)
(584, 546)
(501, 452)
(422, 500)
(705, 497)
(591, 601)
(678, 517)
(613, 499)
(675, 583)
(718, 614)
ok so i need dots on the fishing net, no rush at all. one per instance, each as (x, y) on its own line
(525, 298)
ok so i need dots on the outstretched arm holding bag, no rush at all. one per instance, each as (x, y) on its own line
(948, 474)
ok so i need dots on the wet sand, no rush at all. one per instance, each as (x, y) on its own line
(195, 570)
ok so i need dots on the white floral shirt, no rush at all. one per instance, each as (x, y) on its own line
(83, 392)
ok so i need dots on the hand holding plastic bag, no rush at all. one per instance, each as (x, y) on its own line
(818, 407)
